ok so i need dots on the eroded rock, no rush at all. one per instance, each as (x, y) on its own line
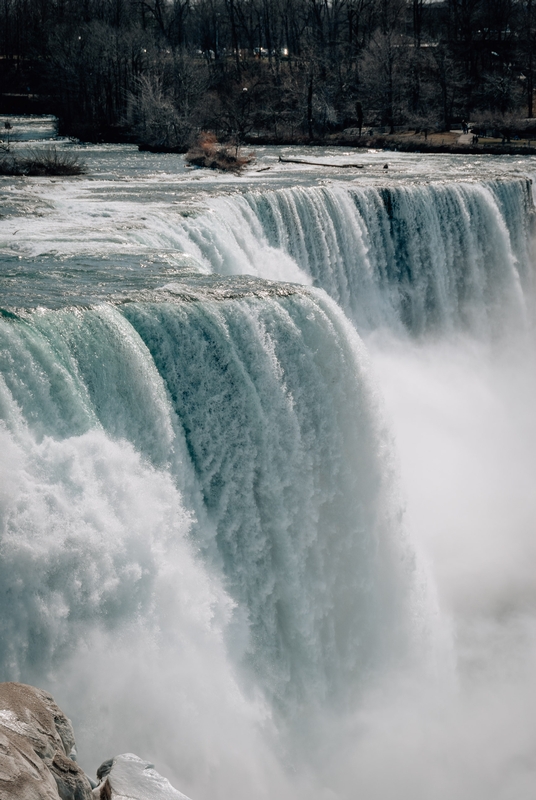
(36, 748)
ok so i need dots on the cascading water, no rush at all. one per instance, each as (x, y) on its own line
(280, 425)
(204, 554)
(256, 415)
(267, 402)
(418, 257)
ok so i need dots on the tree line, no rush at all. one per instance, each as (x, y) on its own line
(290, 70)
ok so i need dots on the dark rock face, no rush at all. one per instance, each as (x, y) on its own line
(36, 745)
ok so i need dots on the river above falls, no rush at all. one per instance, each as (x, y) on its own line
(140, 220)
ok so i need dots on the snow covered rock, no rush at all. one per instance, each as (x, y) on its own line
(37, 748)
(128, 777)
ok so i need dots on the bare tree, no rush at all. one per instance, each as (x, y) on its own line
(152, 114)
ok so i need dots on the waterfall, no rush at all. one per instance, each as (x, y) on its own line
(236, 438)
(266, 458)
(413, 257)
(275, 402)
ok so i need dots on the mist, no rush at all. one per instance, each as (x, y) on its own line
(461, 723)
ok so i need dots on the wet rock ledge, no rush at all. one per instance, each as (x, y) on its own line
(38, 757)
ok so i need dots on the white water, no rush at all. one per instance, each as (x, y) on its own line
(204, 554)
(421, 257)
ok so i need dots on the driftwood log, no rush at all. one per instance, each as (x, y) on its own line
(318, 164)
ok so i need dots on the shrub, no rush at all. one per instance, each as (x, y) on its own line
(208, 152)
(42, 162)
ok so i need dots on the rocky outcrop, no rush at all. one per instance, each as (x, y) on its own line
(37, 748)
(128, 777)
(37, 757)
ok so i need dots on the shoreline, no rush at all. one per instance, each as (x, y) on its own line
(402, 143)
(408, 141)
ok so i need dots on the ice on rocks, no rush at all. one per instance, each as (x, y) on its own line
(129, 777)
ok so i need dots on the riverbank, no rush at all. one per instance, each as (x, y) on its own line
(453, 142)
(408, 141)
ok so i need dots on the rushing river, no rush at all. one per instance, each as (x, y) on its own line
(268, 458)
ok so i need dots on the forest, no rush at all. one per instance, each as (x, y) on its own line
(157, 71)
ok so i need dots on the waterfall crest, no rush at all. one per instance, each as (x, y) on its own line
(414, 257)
